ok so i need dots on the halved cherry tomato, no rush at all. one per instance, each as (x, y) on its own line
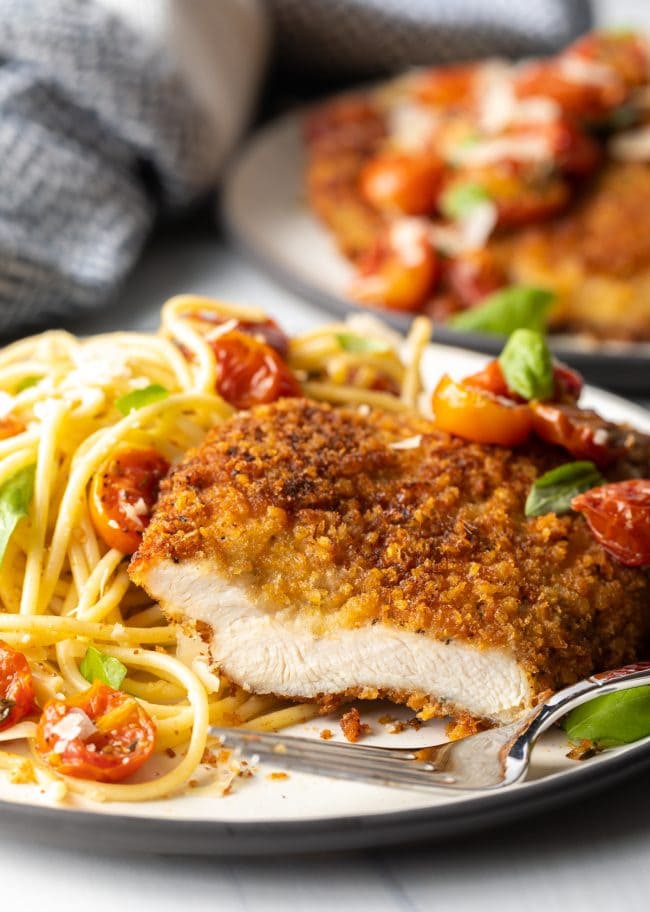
(16, 688)
(402, 182)
(567, 383)
(619, 517)
(624, 53)
(581, 432)
(479, 416)
(122, 495)
(263, 330)
(521, 195)
(447, 86)
(588, 100)
(251, 372)
(101, 734)
(473, 275)
(10, 426)
(395, 277)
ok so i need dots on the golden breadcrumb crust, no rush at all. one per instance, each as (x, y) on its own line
(313, 511)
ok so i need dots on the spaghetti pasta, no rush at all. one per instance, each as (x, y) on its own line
(63, 588)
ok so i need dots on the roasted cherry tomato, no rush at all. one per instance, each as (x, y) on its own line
(473, 275)
(490, 380)
(263, 330)
(521, 195)
(399, 272)
(574, 151)
(619, 517)
(250, 372)
(479, 416)
(122, 495)
(401, 182)
(101, 734)
(447, 87)
(10, 426)
(582, 98)
(16, 689)
(567, 383)
(624, 53)
(581, 432)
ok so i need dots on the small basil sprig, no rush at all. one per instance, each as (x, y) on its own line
(554, 491)
(15, 497)
(351, 342)
(527, 365)
(504, 311)
(613, 719)
(97, 666)
(459, 199)
(141, 397)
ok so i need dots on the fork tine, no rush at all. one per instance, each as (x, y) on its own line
(315, 757)
(277, 742)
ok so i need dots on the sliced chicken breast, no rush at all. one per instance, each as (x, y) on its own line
(324, 554)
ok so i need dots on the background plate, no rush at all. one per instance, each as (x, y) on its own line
(308, 813)
(266, 214)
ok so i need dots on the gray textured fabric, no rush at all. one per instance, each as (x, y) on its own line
(367, 37)
(98, 131)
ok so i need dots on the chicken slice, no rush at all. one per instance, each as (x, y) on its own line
(324, 554)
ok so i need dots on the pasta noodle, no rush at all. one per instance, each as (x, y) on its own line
(62, 589)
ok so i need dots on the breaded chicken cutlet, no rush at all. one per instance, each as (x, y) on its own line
(324, 553)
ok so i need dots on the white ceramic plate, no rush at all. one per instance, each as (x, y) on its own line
(308, 813)
(266, 214)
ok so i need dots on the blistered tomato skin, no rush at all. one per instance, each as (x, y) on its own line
(249, 372)
(479, 416)
(580, 432)
(618, 515)
(390, 278)
(403, 183)
(101, 734)
(122, 495)
(16, 688)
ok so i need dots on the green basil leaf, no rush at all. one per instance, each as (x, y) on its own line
(351, 342)
(15, 497)
(516, 307)
(527, 365)
(460, 199)
(26, 382)
(141, 397)
(97, 666)
(554, 491)
(613, 719)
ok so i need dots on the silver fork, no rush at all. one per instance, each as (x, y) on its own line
(490, 760)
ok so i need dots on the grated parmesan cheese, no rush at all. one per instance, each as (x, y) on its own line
(75, 724)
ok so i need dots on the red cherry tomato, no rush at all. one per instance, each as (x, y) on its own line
(567, 383)
(263, 330)
(618, 514)
(448, 86)
(250, 372)
(581, 432)
(399, 182)
(586, 100)
(473, 275)
(573, 150)
(479, 416)
(122, 495)
(101, 734)
(624, 53)
(16, 688)
(395, 277)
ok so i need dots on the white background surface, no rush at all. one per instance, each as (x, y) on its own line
(593, 855)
